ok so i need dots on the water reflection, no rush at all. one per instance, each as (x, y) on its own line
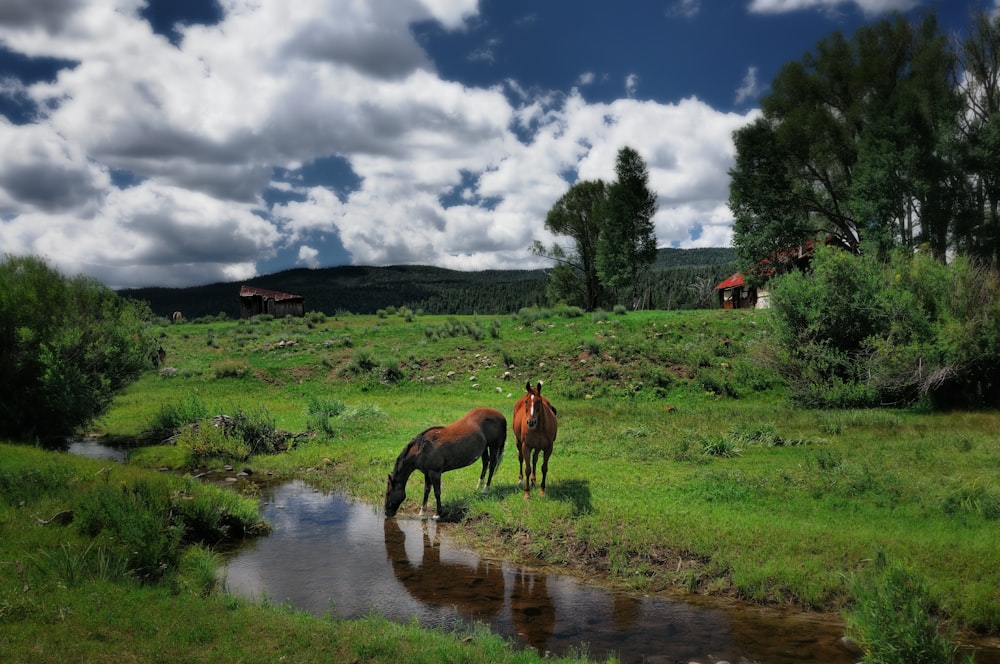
(96, 450)
(324, 555)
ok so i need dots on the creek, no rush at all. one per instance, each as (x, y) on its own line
(330, 555)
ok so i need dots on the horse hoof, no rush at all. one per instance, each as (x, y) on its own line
(435, 517)
(527, 496)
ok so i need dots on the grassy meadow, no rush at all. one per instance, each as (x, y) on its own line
(677, 448)
(680, 465)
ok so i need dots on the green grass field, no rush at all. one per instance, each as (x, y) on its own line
(680, 465)
(677, 448)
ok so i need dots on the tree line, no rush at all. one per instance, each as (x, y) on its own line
(882, 140)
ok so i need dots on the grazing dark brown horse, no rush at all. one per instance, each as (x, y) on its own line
(535, 427)
(480, 434)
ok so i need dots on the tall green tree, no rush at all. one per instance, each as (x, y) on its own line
(854, 143)
(978, 230)
(67, 345)
(577, 215)
(627, 244)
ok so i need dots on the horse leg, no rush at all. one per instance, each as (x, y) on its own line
(486, 462)
(522, 466)
(524, 461)
(534, 466)
(427, 492)
(545, 466)
(495, 456)
(437, 495)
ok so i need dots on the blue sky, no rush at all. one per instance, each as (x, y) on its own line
(180, 142)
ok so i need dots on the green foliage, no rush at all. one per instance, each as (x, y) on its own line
(136, 520)
(320, 411)
(209, 441)
(230, 368)
(893, 617)
(256, 428)
(174, 415)
(857, 141)
(627, 243)
(67, 346)
(855, 332)
(580, 215)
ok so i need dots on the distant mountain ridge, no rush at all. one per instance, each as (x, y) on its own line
(433, 290)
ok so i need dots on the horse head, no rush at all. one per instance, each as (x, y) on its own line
(395, 494)
(533, 405)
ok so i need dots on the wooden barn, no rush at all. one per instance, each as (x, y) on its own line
(255, 301)
(735, 294)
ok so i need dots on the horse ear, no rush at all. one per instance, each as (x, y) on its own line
(527, 386)
(539, 387)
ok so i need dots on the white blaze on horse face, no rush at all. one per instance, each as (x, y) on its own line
(532, 411)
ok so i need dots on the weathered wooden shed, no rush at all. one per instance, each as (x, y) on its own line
(255, 301)
(735, 294)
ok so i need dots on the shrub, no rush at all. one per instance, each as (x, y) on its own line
(856, 332)
(207, 440)
(67, 345)
(257, 430)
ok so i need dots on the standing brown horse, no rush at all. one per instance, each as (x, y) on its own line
(535, 427)
(480, 434)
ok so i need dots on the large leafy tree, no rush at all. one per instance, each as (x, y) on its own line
(577, 215)
(854, 143)
(977, 232)
(67, 345)
(627, 244)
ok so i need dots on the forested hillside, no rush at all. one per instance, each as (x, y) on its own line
(677, 281)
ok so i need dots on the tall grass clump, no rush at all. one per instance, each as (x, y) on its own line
(209, 441)
(230, 367)
(74, 564)
(257, 429)
(136, 521)
(320, 412)
(893, 618)
(174, 415)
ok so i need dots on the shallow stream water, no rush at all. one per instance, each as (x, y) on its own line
(329, 555)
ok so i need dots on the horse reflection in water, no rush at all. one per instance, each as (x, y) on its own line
(531, 609)
(476, 590)
(481, 433)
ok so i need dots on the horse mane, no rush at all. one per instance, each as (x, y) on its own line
(415, 442)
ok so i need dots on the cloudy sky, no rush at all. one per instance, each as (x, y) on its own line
(181, 142)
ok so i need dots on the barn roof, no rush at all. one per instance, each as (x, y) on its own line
(731, 282)
(277, 296)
